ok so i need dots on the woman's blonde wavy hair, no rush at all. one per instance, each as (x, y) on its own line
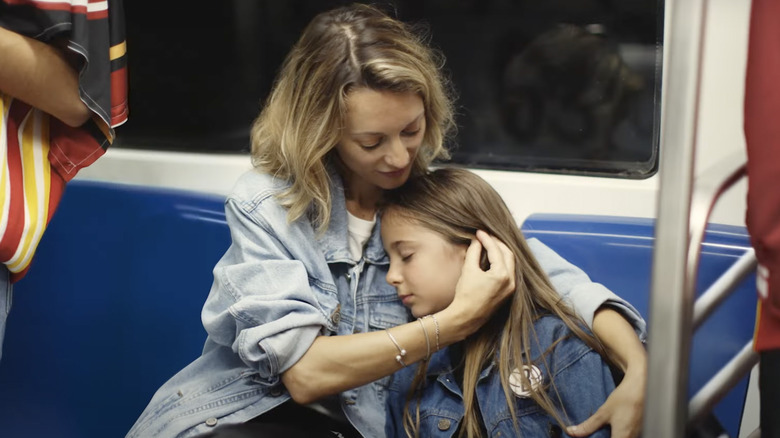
(302, 120)
(455, 203)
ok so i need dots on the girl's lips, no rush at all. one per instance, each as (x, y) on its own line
(406, 299)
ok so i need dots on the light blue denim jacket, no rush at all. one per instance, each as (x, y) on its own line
(276, 289)
(582, 383)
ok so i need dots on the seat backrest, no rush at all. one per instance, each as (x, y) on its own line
(109, 310)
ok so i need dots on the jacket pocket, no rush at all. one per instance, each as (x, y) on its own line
(386, 311)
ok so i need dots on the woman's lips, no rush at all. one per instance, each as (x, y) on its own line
(395, 173)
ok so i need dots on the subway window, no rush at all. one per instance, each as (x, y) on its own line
(561, 86)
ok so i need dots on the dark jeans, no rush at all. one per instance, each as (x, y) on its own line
(289, 420)
(769, 392)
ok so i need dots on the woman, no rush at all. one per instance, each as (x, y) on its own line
(530, 370)
(299, 299)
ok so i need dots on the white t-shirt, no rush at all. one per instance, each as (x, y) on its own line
(359, 232)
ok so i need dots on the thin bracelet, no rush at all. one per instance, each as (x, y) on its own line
(401, 352)
(427, 341)
(436, 324)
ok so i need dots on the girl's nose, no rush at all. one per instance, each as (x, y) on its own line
(393, 278)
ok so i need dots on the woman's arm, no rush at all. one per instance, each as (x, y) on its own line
(336, 363)
(40, 75)
(582, 294)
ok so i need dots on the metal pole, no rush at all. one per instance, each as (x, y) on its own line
(671, 305)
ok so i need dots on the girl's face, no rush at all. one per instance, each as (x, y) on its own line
(424, 267)
(382, 135)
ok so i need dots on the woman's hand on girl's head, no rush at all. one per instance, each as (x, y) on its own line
(479, 293)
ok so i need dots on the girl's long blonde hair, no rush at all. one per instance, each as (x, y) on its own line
(303, 118)
(455, 203)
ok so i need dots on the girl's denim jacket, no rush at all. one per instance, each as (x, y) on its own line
(278, 287)
(582, 383)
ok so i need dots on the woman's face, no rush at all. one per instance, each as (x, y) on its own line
(381, 137)
(424, 267)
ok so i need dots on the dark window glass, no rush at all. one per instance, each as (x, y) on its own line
(556, 86)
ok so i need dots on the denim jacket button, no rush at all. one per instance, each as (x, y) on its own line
(276, 391)
(444, 424)
(336, 315)
(211, 422)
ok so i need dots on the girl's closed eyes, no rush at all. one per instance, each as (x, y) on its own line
(424, 266)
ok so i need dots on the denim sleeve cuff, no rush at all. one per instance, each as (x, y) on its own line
(272, 348)
(280, 352)
(631, 315)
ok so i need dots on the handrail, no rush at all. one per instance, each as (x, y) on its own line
(717, 387)
(708, 188)
(722, 288)
(710, 185)
(671, 306)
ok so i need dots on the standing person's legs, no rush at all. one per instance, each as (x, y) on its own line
(6, 293)
(769, 393)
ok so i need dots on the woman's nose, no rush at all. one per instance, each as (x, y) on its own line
(398, 156)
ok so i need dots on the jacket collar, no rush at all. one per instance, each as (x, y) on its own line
(441, 363)
(442, 369)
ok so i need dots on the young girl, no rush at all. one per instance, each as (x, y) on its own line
(530, 371)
